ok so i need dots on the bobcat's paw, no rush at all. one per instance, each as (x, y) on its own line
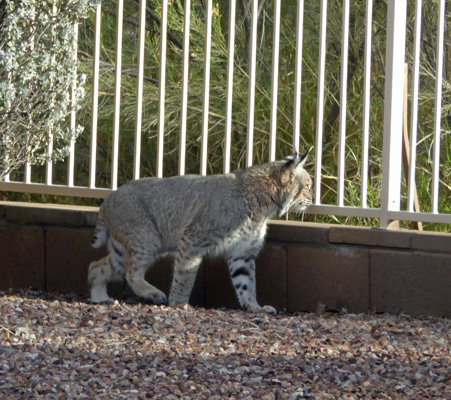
(99, 295)
(258, 309)
(101, 300)
(269, 310)
(157, 298)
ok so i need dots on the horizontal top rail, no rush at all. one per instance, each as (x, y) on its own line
(56, 190)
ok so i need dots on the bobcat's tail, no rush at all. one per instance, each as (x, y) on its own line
(101, 234)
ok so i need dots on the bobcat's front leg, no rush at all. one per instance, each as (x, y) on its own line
(242, 271)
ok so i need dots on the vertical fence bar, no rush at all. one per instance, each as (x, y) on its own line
(49, 163)
(27, 173)
(117, 94)
(320, 102)
(95, 98)
(162, 87)
(251, 90)
(343, 104)
(27, 166)
(298, 76)
(139, 89)
(366, 104)
(183, 111)
(275, 81)
(229, 104)
(206, 95)
(438, 106)
(6, 178)
(71, 159)
(414, 106)
(393, 109)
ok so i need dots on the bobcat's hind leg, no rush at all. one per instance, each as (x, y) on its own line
(136, 266)
(107, 269)
(100, 273)
(242, 271)
(185, 271)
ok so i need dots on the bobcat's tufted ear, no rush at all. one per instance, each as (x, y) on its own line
(293, 165)
(301, 160)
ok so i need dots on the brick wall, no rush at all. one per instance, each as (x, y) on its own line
(302, 265)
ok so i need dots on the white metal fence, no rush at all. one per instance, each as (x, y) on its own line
(395, 58)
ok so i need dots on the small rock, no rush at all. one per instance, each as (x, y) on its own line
(320, 308)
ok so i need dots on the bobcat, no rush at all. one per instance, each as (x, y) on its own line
(195, 216)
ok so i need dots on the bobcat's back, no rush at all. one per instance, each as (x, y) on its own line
(201, 208)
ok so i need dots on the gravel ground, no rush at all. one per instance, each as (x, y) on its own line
(56, 347)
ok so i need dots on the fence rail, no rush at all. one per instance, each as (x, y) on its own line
(395, 58)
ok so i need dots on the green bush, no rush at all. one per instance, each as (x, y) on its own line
(37, 71)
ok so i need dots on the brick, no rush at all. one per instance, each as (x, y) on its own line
(69, 254)
(160, 274)
(22, 257)
(219, 291)
(369, 236)
(197, 298)
(415, 283)
(271, 267)
(336, 276)
(301, 232)
(431, 241)
(89, 217)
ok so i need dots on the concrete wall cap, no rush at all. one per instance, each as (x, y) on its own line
(48, 214)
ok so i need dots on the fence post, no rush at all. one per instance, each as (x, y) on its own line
(393, 110)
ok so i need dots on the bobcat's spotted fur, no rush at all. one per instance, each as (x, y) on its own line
(195, 216)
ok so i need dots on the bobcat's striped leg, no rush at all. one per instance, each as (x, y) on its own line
(136, 266)
(100, 273)
(242, 270)
(185, 269)
(107, 269)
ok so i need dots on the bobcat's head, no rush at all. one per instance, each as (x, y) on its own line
(295, 191)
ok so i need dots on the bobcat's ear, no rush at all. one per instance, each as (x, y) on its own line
(293, 165)
(301, 160)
